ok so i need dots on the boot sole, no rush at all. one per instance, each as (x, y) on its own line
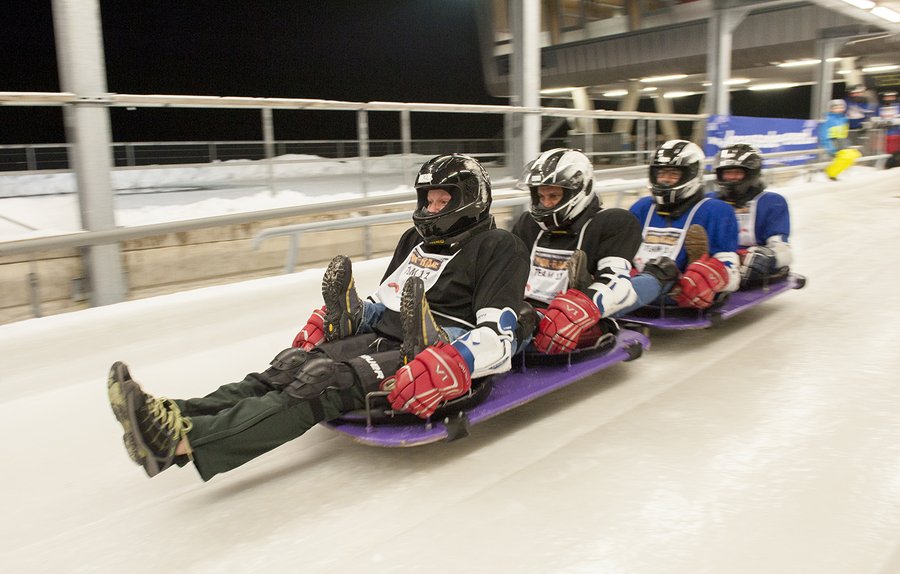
(696, 243)
(577, 268)
(119, 399)
(414, 320)
(123, 396)
(337, 300)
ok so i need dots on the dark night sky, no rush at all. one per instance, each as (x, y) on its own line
(361, 50)
(390, 50)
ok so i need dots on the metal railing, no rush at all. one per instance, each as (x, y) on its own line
(295, 232)
(85, 238)
(102, 267)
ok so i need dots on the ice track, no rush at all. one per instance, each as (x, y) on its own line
(768, 444)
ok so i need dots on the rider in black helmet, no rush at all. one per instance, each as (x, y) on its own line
(445, 312)
(764, 222)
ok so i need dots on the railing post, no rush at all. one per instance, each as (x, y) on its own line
(268, 127)
(406, 143)
(291, 262)
(362, 125)
(79, 48)
(30, 161)
(34, 293)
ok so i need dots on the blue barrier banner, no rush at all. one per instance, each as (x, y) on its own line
(768, 135)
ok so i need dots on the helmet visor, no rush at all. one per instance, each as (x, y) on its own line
(670, 176)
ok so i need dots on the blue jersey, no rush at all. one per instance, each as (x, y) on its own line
(764, 216)
(714, 215)
(858, 112)
(833, 132)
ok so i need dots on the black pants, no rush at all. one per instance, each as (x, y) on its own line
(240, 421)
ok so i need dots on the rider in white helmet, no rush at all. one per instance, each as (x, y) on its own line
(680, 224)
(580, 253)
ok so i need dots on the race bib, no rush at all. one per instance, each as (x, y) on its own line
(426, 266)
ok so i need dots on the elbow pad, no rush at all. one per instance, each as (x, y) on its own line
(613, 291)
(784, 256)
(487, 349)
(733, 266)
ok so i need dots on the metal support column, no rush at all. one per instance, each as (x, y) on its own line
(362, 132)
(79, 49)
(630, 103)
(268, 128)
(525, 76)
(722, 23)
(406, 143)
(826, 49)
(667, 127)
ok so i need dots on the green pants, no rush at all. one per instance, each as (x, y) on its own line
(240, 421)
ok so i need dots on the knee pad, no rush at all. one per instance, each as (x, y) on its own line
(318, 374)
(283, 366)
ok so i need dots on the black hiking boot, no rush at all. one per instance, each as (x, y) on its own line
(343, 307)
(577, 267)
(696, 243)
(662, 269)
(153, 426)
(419, 327)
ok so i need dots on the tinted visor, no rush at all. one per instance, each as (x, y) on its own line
(683, 173)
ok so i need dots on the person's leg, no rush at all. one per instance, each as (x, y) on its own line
(321, 390)
(244, 419)
(648, 290)
(657, 279)
(343, 307)
(372, 313)
(256, 425)
(280, 373)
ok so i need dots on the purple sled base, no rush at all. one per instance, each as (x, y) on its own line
(509, 391)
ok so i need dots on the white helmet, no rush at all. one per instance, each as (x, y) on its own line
(567, 168)
(688, 158)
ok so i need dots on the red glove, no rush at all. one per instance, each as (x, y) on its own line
(700, 282)
(567, 316)
(313, 333)
(435, 375)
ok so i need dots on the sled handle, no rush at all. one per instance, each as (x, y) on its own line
(369, 397)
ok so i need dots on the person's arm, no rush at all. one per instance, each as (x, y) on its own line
(825, 137)
(723, 242)
(776, 226)
(617, 243)
(719, 270)
(444, 371)
(500, 273)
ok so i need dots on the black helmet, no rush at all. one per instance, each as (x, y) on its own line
(745, 157)
(470, 189)
(688, 158)
(562, 167)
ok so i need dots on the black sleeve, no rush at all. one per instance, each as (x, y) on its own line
(526, 230)
(501, 272)
(613, 232)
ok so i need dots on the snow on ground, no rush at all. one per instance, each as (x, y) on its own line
(46, 204)
(769, 443)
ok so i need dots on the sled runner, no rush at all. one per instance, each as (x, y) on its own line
(379, 426)
(682, 319)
